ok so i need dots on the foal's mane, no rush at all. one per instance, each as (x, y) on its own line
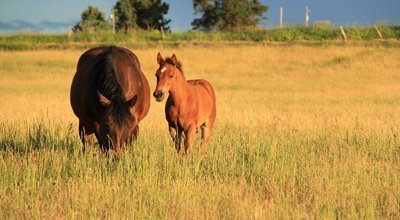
(178, 64)
(107, 84)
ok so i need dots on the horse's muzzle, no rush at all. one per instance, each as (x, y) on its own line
(158, 95)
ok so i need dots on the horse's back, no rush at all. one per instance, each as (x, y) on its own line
(203, 84)
(82, 89)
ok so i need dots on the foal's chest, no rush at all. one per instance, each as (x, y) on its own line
(180, 116)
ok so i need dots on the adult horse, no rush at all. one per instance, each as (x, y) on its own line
(110, 95)
(190, 104)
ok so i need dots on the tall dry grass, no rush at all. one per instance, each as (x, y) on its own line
(301, 132)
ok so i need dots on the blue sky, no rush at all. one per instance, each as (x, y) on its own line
(58, 15)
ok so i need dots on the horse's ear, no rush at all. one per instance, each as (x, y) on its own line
(174, 59)
(103, 100)
(132, 101)
(160, 59)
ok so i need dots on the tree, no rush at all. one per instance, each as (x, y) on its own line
(228, 14)
(144, 14)
(151, 13)
(124, 15)
(92, 20)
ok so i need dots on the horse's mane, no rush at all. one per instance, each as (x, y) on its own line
(178, 64)
(107, 84)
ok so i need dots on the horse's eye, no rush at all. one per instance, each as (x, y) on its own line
(170, 76)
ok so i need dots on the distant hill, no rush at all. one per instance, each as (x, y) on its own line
(43, 26)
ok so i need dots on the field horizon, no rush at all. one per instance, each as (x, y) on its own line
(301, 132)
(387, 35)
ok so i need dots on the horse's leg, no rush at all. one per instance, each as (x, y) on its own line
(86, 135)
(181, 137)
(205, 135)
(117, 148)
(135, 133)
(174, 135)
(190, 136)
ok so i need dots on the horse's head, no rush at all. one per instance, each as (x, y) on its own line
(117, 123)
(165, 76)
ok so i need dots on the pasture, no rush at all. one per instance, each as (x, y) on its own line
(301, 132)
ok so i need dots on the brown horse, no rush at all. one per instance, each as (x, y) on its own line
(191, 104)
(110, 95)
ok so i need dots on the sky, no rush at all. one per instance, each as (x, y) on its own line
(59, 15)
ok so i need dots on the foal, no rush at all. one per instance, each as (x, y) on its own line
(191, 104)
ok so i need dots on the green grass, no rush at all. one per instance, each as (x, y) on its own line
(256, 172)
(142, 38)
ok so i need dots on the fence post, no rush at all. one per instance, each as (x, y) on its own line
(70, 32)
(112, 16)
(307, 15)
(162, 32)
(343, 33)
(281, 17)
(379, 33)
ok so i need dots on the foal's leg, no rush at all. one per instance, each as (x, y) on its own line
(174, 135)
(86, 135)
(179, 141)
(190, 136)
(205, 135)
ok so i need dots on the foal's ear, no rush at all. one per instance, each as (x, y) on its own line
(132, 101)
(103, 100)
(174, 59)
(160, 59)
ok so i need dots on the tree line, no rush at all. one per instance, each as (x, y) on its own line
(215, 15)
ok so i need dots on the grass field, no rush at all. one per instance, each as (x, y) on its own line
(139, 39)
(301, 132)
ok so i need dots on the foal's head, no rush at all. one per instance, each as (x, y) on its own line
(166, 75)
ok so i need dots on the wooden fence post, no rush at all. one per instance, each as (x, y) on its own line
(162, 32)
(379, 33)
(343, 33)
(307, 15)
(112, 16)
(70, 32)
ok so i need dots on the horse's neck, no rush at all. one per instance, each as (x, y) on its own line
(181, 89)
